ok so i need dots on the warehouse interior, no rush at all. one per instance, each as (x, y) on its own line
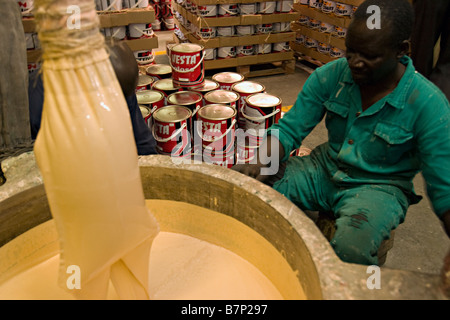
(420, 243)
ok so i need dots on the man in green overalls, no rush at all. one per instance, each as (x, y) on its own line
(385, 122)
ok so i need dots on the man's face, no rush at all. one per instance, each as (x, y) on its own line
(370, 57)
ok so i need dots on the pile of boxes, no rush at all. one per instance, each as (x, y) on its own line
(238, 32)
(127, 20)
(321, 28)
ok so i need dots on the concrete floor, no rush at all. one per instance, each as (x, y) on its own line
(420, 242)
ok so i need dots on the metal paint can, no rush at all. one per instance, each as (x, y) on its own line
(206, 32)
(267, 7)
(222, 96)
(228, 10)
(109, 5)
(326, 27)
(210, 54)
(343, 9)
(336, 52)
(135, 4)
(261, 111)
(225, 31)
(284, 6)
(281, 27)
(170, 128)
(340, 32)
(248, 8)
(280, 47)
(144, 56)
(140, 30)
(244, 51)
(310, 42)
(165, 86)
(207, 10)
(245, 89)
(146, 114)
(152, 99)
(144, 82)
(159, 71)
(190, 99)
(227, 79)
(245, 30)
(316, 4)
(328, 6)
(314, 23)
(226, 52)
(116, 32)
(186, 60)
(207, 86)
(263, 48)
(323, 48)
(264, 28)
(216, 125)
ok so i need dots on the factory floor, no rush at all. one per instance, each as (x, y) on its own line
(420, 243)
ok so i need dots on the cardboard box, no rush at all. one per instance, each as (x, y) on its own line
(319, 36)
(142, 44)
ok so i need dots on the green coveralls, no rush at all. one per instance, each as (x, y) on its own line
(364, 173)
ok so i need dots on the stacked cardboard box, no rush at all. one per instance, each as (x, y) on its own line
(108, 20)
(320, 31)
(189, 20)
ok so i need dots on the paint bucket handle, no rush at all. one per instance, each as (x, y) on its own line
(258, 119)
(188, 70)
(136, 4)
(113, 3)
(215, 138)
(177, 132)
(267, 6)
(143, 33)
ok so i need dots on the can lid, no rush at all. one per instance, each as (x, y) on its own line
(207, 85)
(187, 47)
(228, 77)
(149, 96)
(144, 110)
(158, 69)
(221, 96)
(164, 84)
(144, 80)
(184, 98)
(172, 113)
(263, 100)
(248, 87)
(216, 111)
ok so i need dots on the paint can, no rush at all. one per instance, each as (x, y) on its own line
(152, 99)
(226, 79)
(144, 56)
(221, 96)
(216, 126)
(156, 25)
(323, 48)
(26, 7)
(190, 99)
(310, 42)
(244, 51)
(284, 6)
(316, 4)
(245, 30)
(267, 7)
(109, 5)
(264, 28)
(165, 86)
(263, 48)
(170, 128)
(343, 9)
(159, 71)
(135, 4)
(245, 153)
(314, 23)
(186, 60)
(340, 32)
(336, 52)
(206, 32)
(140, 30)
(328, 6)
(29, 41)
(261, 111)
(326, 27)
(280, 47)
(228, 10)
(281, 27)
(144, 82)
(299, 38)
(303, 20)
(244, 89)
(207, 10)
(226, 52)
(207, 86)
(248, 8)
(169, 22)
(210, 54)
(116, 32)
(225, 31)
(146, 114)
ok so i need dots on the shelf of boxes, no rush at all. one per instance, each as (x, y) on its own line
(314, 41)
(108, 19)
(192, 20)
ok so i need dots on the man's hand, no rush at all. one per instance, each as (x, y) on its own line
(251, 170)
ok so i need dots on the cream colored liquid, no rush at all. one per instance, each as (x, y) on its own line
(182, 266)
